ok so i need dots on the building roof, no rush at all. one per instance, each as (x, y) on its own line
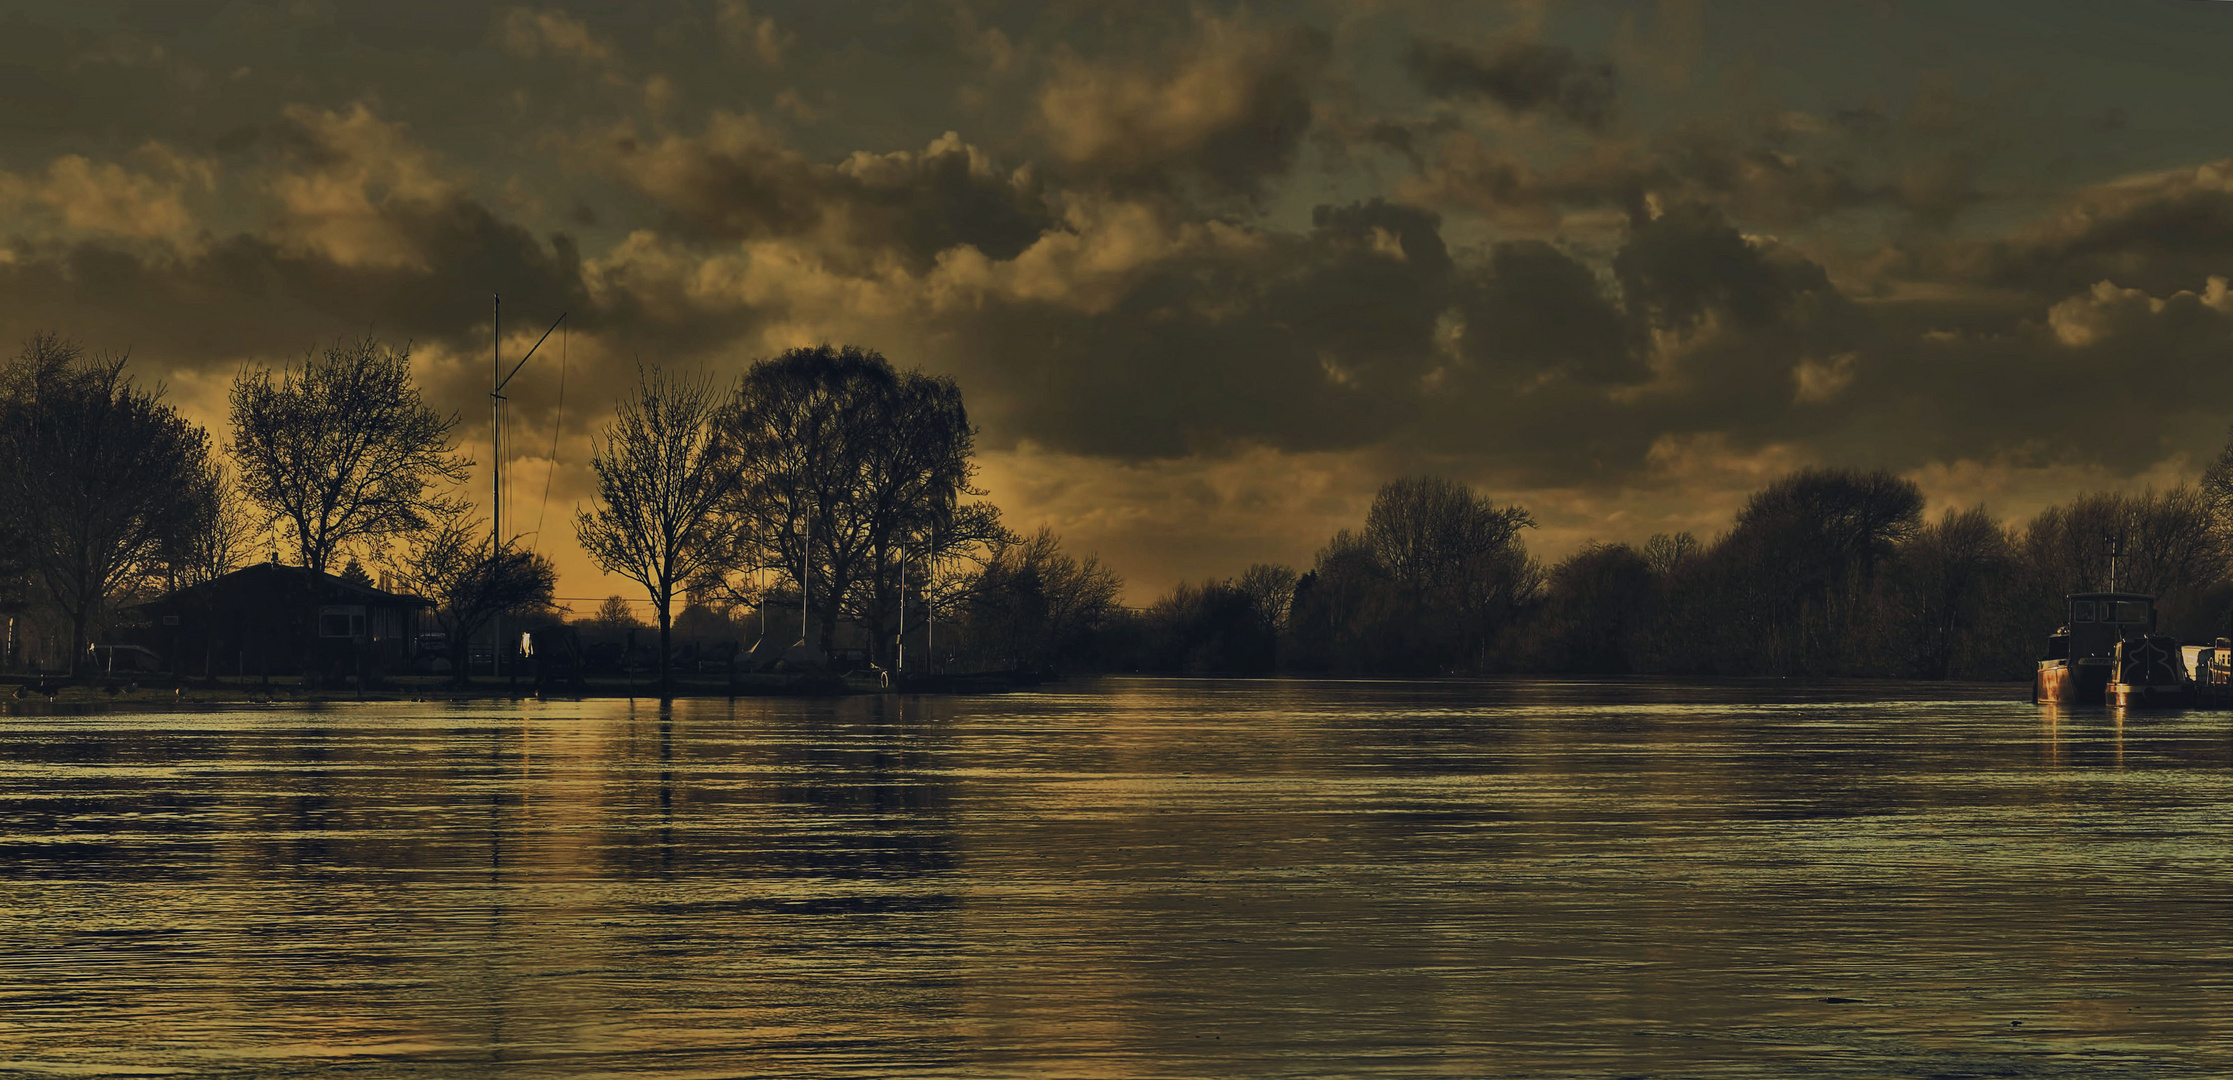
(269, 577)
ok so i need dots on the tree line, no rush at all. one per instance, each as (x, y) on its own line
(824, 479)
(827, 482)
(1825, 572)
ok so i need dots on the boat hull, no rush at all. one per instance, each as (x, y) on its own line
(2058, 682)
(2128, 696)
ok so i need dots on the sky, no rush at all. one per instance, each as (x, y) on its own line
(1207, 274)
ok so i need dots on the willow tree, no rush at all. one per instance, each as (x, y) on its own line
(98, 477)
(661, 474)
(846, 470)
(343, 449)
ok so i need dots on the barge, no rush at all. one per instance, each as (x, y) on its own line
(2107, 652)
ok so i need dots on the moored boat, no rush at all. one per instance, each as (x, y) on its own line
(2107, 652)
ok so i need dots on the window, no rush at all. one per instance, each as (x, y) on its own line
(2081, 611)
(341, 621)
(2132, 611)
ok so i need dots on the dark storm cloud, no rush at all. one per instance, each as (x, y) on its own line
(1521, 76)
(249, 296)
(1539, 311)
(1688, 263)
(1781, 170)
(359, 235)
(737, 180)
(1368, 331)
(2159, 233)
(1299, 341)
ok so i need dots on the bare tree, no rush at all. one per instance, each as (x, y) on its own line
(215, 538)
(1272, 587)
(451, 563)
(613, 620)
(1032, 602)
(1667, 553)
(847, 469)
(343, 448)
(98, 475)
(661, 472)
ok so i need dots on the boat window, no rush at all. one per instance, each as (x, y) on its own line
(2132, 611)
(2081, 611)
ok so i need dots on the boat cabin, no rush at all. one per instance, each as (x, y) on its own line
(2093, 623)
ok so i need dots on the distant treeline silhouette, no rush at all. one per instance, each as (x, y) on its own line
(1825, 572)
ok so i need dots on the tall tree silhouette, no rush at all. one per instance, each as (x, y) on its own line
(99, 476)
(343, 448)
(661, 473)
(868, 465)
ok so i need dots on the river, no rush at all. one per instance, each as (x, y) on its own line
(1126, 878)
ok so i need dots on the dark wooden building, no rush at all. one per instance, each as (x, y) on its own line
(271, 619)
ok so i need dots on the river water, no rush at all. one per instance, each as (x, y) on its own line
(1125, 878)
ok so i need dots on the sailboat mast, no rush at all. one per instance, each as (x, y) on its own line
(496, 470)
(806, 573)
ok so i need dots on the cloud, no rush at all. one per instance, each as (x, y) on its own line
(351, 187)
(1229, 110)
(2158, 231)
(750, 35)
(1191, 314)
(1523, 77)
(1824, 379)
(1686, 263)
(361, 228)
(1781, 170)
(86, 198)
(738, 180)
(531, 33)
(1538, 312)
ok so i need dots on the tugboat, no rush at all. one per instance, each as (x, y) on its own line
(2107, 652)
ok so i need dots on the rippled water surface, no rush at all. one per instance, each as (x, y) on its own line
(1125, 878)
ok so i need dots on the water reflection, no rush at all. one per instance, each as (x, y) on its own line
(1130, 877)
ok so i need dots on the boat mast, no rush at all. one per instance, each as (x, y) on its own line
(806, 571)
(930, 602)
(497, 381)
(496, 472)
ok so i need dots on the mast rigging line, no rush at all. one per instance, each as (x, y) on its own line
(556, 422)
(497, 420)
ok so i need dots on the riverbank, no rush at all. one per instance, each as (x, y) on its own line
(162, 690)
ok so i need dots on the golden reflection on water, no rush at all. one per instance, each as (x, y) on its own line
(1125, 878)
